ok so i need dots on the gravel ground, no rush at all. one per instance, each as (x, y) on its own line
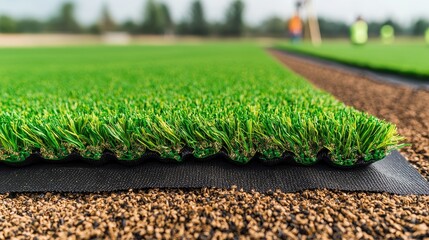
(214, 213)
(219, 213)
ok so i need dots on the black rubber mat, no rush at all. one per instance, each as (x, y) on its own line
(393, 174)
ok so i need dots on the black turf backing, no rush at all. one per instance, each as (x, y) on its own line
(393, 174)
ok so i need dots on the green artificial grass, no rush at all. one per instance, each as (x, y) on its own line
(162, 98)
(407, 58)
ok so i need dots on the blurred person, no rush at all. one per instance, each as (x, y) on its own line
(295, 28)
(359, 32)
(427, 35)
(387, 34)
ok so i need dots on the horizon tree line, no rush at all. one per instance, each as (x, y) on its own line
(157, 20)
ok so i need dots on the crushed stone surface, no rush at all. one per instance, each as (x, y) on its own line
(214, 214)
(235, 214)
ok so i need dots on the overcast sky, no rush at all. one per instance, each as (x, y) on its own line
(87, 11)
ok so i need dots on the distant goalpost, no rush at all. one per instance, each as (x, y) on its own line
(313, 23)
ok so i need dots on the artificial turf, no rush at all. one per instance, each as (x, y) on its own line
(407, 58)
(208, 97)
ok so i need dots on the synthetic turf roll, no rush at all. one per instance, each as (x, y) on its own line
(163, 98)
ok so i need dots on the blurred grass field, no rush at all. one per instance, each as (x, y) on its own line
(408, 57)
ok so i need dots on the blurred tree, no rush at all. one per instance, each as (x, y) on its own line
(65, 22)
(106, 23)
(333, 29)
(167, 21)
(93, 29)
(215, 28)
(7, 24)
(419, 27)
(153, 19)
(374, 28)
(130, 26)
(273, 26)
(197, 24)
(182, 28)
(29, 25)
(234, 25)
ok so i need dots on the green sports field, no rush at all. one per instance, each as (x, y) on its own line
(410, 58)
(162, 98)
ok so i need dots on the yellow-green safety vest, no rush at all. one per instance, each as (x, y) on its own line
(359, 32)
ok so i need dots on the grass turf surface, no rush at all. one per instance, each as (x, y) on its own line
(133, 99)
(403, 58)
